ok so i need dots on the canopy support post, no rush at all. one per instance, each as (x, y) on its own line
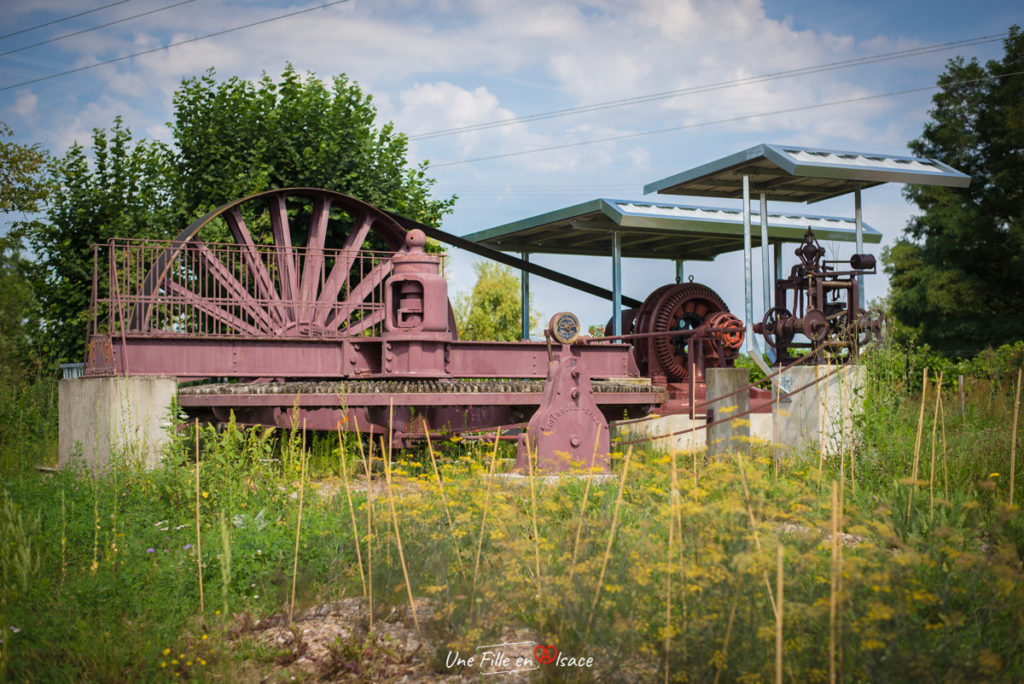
(748, 277)
(860, 243)
(616, 283)
(524, 295)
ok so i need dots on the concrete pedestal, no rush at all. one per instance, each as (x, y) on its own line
(666, 425)
(124, 417)
(828, 406)
(730, 434)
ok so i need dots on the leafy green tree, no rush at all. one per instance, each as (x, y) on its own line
(125, 190)
(230, 138)
(957, 275)
(23, 189)
(237, 137)
(492, 311)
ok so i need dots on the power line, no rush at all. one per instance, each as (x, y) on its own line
(57, 21)
(710, 87)
(734, 119)
(170, 45)
(95, 28)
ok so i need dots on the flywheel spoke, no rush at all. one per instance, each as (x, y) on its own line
(313, 262)
(265, 289)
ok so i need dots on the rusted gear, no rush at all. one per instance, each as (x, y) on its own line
(682, 306)
(727, 329)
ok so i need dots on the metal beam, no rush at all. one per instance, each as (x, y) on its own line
(509, 260)
(680, 270)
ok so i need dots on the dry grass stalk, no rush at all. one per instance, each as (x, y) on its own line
(298, 522)
(583, 511)
(945, 465)
(753, 528)
(351, 509)
(63, 540)
(483, 522)
(369, 519)
(824, 416)
(444, 500)
(728, 627)
(536, 536)
(199, 541)
(1013, 441)
(394, 520)
(778, 618)
(931, 469)
(833, 586)
(673, 504)
(848, 423)
(611, 541)
(917, 443)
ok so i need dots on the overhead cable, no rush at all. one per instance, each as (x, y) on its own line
(710, 87)
(170, 45)
(57, 21)
(95, 28)
(714, 122)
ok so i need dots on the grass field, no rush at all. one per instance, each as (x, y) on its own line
(680, 567)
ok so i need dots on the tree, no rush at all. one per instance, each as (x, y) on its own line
(229, 139)
(23, 189)
(493, 310)
(957, 275)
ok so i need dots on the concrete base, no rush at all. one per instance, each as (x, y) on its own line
(666, 425)
(731, 434)
(821, 416)
(119, 417)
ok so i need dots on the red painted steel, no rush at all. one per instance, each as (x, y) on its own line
(266, 307)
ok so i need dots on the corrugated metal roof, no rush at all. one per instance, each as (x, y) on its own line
(804, 174)
(657, 230)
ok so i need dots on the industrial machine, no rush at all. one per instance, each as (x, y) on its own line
(300, 324)
(329, 334)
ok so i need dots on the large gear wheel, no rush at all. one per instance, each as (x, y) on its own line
(682, 306)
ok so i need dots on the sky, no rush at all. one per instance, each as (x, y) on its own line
(434, 65)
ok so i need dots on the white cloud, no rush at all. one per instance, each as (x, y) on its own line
(25, 104)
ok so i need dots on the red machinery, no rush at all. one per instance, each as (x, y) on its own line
(329, 334)
(823, 307)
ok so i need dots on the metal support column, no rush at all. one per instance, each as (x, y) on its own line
(616, 284)
(777, 249)
(748, 277)
(766, 271)
(680, 270)
(524, 294)
(860, 243)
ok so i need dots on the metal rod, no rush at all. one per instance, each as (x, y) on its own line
(708, 332)
(860, 243)
(524, 278)
(748, 277)
(616, 283)
(680, 270)
(509, 260)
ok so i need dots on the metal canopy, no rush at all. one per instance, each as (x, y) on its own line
(655, 230)
(804, 174)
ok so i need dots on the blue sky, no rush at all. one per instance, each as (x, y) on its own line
(438, 64)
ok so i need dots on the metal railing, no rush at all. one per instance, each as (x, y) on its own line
(156, 288)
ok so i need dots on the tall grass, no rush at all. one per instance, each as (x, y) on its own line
(655, 574)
